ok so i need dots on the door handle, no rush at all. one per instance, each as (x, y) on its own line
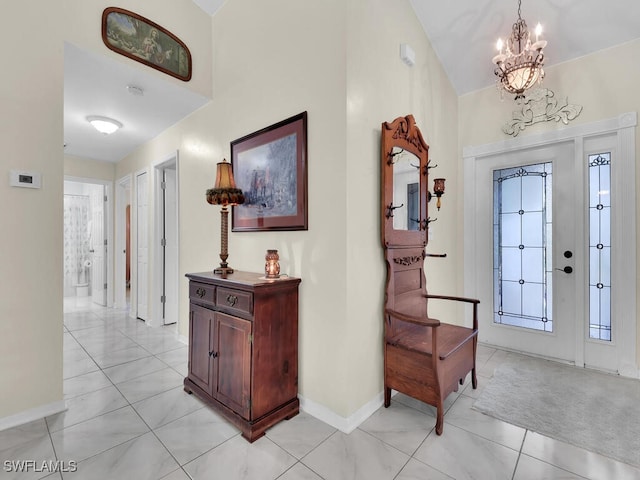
(566, 269)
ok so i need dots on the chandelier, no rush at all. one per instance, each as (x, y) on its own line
(519, 63)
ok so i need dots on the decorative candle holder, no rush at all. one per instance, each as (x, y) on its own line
(271, 266)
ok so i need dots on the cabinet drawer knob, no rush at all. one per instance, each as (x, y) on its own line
(200, 292)
(232, 300)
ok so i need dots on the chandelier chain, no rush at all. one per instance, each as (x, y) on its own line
(519, 9)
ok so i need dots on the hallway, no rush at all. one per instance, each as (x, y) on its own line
(128, 418)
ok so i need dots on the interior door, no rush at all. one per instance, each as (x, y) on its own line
(527, 203)
(98, 247)
(142, 251)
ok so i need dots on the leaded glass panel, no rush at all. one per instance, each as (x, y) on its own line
(600, 246)
(522, 246)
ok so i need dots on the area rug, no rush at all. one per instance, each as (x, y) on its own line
(588, 409)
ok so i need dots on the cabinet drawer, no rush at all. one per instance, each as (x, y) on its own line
(201, 292)
(234, 300)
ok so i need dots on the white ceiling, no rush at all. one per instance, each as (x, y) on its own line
(462, 32)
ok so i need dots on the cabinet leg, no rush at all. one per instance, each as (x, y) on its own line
(387, 397)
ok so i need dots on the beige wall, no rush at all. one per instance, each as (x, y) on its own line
(191, 26)
(340, 64)
(380, 87)
(88, 168)
(604, 83)
(31, 246)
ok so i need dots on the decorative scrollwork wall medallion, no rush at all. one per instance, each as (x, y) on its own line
(539, 105)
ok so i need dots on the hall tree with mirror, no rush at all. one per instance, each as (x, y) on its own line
(424, 358)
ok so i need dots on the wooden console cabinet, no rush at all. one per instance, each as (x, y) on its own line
(243, 348)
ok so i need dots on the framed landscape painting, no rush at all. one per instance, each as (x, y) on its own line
(270, 167)
(144, 41)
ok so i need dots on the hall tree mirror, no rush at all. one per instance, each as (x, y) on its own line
(406, 190)
(404, 183)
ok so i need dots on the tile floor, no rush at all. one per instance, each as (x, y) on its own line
(128, 418)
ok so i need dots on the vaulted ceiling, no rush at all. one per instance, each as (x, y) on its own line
(462, 32)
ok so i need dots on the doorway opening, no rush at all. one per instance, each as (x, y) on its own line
(87, 240)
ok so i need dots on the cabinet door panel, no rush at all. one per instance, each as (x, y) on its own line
(201, 326)
(233, 380)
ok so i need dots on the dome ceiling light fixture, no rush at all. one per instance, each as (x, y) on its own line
(104, 125)
(519, 63)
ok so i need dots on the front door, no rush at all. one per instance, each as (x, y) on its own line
(528, 220)
(550, 244)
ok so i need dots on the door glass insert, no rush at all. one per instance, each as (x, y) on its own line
(600, 246)
(522, 262)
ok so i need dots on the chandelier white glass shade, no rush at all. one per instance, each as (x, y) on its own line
(519, 63)
(104, 124)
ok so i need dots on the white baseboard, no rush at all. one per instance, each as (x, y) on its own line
(32, 414)
(183, 339)
(348, 424)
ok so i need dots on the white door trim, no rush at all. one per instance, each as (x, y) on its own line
(123, 185)
(156, 292)
(624, 127)
(136, 276)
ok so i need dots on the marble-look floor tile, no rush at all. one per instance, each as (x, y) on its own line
(161, 345)
(415, 470)
(195, 433)
(300, 435)
(143, 458)
(101, 433)
(183, 370)
(402, 427)
(357, 456)
(13, 437)
(462, 415)
(75, 355)
(487, 368)
(53, 476)
(299, 472)
(86, 406)
(533, 469)
(177, 356)
(483, 354)
(464, 455)
(119, 357)
(150, 385)
(69, 343)
(37, 450)
(73, 368)
(425, 407)
(104, 346)
(241, 460)
(576, 460)
(134, 369)
(167, 407)
(179, 474)
(89, 382)
(79, 322)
